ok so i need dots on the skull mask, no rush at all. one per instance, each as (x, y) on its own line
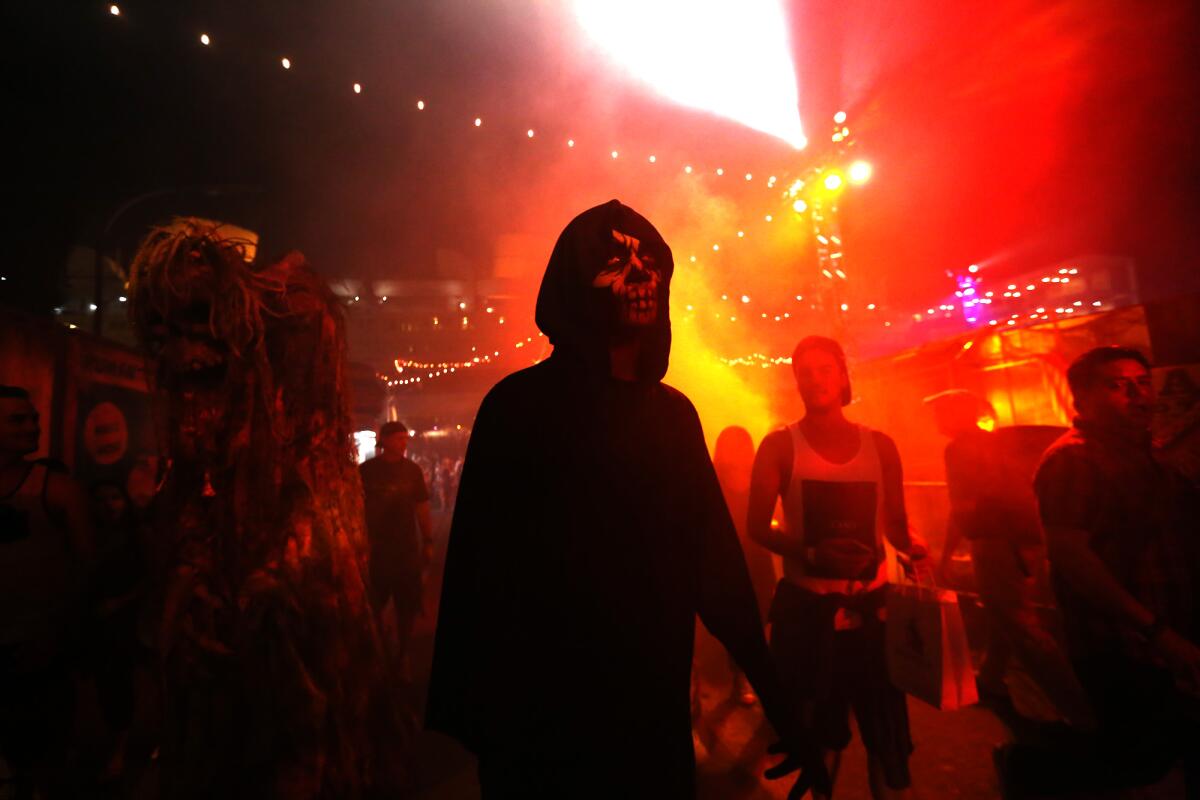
(633, 279)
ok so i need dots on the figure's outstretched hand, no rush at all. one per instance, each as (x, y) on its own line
(805, 759)
(1182, 659)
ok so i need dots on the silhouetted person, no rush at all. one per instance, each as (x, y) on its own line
(843, 505)
(993, 507)
(399, 530)
(733, 459)
(120, 581)
(1121, 534)
(589, 531)
(44, 542)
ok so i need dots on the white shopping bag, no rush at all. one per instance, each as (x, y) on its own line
(927, 650)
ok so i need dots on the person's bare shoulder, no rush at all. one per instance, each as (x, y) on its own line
(886, 447)
(776, 447)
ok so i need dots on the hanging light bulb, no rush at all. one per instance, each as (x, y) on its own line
(860, 172)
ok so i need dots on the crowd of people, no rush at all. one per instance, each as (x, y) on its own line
(74, 572)
(591, 529)
(442, 474)
(564, 639)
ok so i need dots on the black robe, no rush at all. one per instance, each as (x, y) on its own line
(589, 531)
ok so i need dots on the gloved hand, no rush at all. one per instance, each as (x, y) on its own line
(802, 756)
(1181, 657)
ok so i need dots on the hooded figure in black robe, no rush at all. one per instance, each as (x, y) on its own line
(589, 531)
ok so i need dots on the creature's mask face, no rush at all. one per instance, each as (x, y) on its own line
(193, 365)
(629, 282)
(193, 370)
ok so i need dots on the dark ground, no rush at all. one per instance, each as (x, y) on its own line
(953, 759)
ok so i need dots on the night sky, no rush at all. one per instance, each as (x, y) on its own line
(1010, 134)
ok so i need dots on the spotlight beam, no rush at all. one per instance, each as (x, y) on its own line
(731, 59)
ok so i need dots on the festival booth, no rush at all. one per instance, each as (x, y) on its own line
(1021, 371)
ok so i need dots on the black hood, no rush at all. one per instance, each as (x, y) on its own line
(614, 245)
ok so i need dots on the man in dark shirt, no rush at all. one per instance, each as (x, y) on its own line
(993, 507)
(1121, 535)
(397, 508)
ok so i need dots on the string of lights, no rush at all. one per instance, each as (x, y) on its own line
(418, 366)
(806, 197)
(970, 300)
(828, 182)
(813, 196)
(818, 200)
(207, 39)
(417, 372)
(411, 372)
(971, 297)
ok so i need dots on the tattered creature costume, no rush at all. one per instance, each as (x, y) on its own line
(589, 531)
(269, 658)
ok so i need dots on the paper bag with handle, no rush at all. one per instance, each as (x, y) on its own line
(927, 651)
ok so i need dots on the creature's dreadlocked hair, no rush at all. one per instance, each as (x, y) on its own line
(164, 271)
